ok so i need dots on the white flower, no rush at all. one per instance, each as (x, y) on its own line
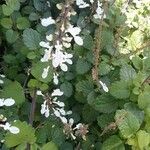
(55, 78)
(57, 92)
(74, 31)
(104, 86)
(58, 46)
(99, 12)
(59, 58)
(6, 102)
(82, 4)
(45, 72)
(47, 21)
(45, 109)
(47, 55)
(10, 128)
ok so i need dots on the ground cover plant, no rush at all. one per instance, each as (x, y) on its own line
(75, 74)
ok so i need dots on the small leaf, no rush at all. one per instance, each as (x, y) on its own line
(26, 135)
(143, 139)
(113, 143)
(85, 87)
(6, 23)
(67, 89)
(127, 122)
(14, 90)
(31, 38)
(22, 23)
(82, 66)
(120, 89)
(105, 103)
(37, 70)
(11, 36)
(50, 146)
(144, 99)
(127, 73)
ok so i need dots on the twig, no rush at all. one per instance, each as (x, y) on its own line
(32, 112)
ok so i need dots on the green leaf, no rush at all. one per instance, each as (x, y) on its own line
(105, 119)
(82, 66)
(127, 122)
(105, 103)
(11, 36)
(26, 135)
(85, 87)
(143, 139)
(14, 90)
(31, 55)
(104, 68)
(120, 89)
(88, 42)
(34, 16)
(134, 109)
(50, 146)
(31, 38)
(113, 143)
(37, 70)
(67, 89)
(127, 73)
(10, 7)
(22, 23)
(89, 114)
(6, 23)
(144, 99)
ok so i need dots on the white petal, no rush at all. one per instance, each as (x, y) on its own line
(62, 111)
(71, 121)
(56, 113)
(45, 72)
(105, 88)
(9, 102)
(47, 113)
(49, 37)
(7, 126)
(14, 130)
(44, 44)
(39, 93)
(78, 40)
(55, 79)
(64, 67)
(1, 75)
(69, 61)
(67, 45)
(1, 102)
(61, 104)
(47, 21)
(1, 81)
(64, 120)
(69, 112)
(57, 92)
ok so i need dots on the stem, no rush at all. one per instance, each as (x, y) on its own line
(32, 112)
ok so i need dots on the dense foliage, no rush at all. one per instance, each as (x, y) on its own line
(75, 74)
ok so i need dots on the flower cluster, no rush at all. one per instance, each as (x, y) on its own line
(54, 51)
(52, 106)
(99, 12)
(80, 130)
